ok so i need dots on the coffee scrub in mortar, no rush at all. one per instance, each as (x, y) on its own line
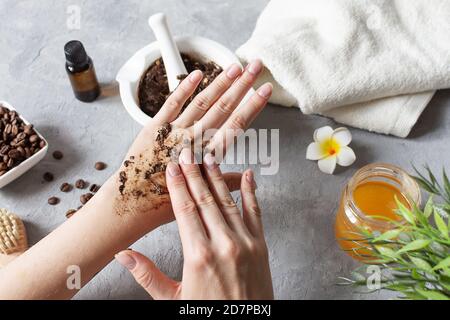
(154, 86)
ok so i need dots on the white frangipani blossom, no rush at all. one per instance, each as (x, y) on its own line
(330, 147)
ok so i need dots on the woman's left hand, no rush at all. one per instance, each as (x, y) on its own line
(141, 180)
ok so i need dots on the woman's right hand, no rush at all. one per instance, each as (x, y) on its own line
(225, 254)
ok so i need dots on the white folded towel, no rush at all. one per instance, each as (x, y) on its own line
(371, 64)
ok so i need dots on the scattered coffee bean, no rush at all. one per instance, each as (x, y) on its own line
(100, 165)
(53, 201)
(66, 187)
(80, 184)
(48, 176)
(86, 197)
(58, 155)
(94, 188)
(79, 208)
(70, 213)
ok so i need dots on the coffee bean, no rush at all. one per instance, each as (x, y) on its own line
(21, 136)
(28, 129)
(4, 150)
(21, 150)
(48, 176)
(65, 187)
(80, 184)
(14, 154)
(100, 165)
(21, 143)
(53, 201)
(8, 128)
(34, 138)
(58, 155)
(27, 152)
(18, 141)
(15, 129)
(70, 213)
(86, 197)
(94, 188)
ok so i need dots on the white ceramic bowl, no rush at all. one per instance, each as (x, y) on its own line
(131, 72)
(26, 165)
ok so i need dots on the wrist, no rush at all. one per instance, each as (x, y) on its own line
(146, 211)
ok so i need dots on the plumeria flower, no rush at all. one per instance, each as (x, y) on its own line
(331, 147)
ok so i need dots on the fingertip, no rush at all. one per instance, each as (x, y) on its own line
(233, 71)
(173, 169)
(186, 156)
(126, 259)
(255, 67)
(249, 177)
(195, 76)
(265, 91)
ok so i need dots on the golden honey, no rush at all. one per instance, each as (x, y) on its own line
(368, 202)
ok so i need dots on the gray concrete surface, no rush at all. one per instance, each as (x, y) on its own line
(299, 202)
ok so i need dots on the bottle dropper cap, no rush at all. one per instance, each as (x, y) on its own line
(75, 53)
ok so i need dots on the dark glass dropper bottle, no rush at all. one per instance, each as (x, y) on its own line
(80, 68)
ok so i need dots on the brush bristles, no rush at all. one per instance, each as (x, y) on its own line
(12, 233)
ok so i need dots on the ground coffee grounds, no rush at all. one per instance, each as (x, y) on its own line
(141, 183)
(154, 89)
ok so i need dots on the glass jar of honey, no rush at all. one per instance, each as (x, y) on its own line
(368, 201)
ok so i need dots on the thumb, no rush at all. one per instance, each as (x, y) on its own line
(144, 271)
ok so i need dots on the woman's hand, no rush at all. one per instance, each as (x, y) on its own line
(133, 202)
(225, 255)
(141, 181)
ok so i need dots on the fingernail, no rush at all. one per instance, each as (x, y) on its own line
(265, 90)
(186, 156)
(251, 179)
(255, 67)
(210, 161)
(233, 71)
(173, 169)
(125, 260)
(195, 76)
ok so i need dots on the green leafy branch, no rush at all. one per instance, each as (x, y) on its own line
(414, 256)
